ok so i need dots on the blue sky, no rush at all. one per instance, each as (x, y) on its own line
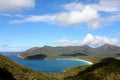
(35, 23)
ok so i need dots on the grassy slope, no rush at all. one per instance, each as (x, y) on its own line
(109, 70)
(74, 71)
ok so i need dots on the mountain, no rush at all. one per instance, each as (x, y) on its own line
(56, 52)
(85, 51)
(108, 48)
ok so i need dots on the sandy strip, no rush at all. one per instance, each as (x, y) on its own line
(90, 63)
(19, 56)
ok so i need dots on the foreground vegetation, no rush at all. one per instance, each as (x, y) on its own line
(106, 69)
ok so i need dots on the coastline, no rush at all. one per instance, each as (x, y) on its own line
(19, 56)
(90, 63)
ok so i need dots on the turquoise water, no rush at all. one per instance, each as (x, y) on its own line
(49, 65)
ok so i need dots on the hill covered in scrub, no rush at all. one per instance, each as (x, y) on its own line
(107, 69)
(83, 52)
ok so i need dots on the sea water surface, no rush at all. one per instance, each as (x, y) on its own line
(58, 65)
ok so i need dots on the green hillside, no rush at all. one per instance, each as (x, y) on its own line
(83, 52)
(104, 70)
(57, 52)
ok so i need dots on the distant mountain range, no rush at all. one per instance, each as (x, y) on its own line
(49, 52)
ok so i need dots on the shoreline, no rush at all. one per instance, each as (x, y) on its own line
(19, 56)
(90, 63)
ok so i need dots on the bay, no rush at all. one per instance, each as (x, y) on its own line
(58, 65)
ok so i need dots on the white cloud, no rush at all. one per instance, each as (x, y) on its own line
(15, 5)
(108, 5)
(102, 5)
(90, 40)
(73, 6)
(78, 17)
(45, 18)
(8, 46)
(4, 14)
(77, 13)
(68, 18)
(12, 48)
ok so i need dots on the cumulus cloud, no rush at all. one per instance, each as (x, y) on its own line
(110, 9)
(90, 40)
(102, 5)
(76, 13)
(88, 15)
(15, 5)
(68, 18)
(108, 5)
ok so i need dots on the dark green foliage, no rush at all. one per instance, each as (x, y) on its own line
(74, 55)
(101, 71)
(118, 54)
(108, 59)
(38, 57)
(5, 75)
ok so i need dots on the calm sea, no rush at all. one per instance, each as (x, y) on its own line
(49, 65)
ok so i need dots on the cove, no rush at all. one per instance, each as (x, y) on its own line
(58, 65)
